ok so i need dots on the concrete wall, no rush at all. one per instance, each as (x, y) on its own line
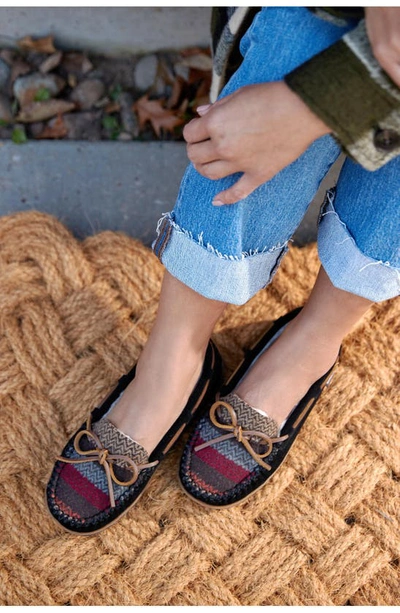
(114, 31)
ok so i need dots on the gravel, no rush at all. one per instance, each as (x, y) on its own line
(69, 95)
(87, 93)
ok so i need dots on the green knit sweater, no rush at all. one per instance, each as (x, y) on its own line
(344, 85)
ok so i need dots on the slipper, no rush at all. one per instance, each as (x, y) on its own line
(102, 472)
(235, 448)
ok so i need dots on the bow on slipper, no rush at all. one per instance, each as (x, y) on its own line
(106, 459)
(246, 437)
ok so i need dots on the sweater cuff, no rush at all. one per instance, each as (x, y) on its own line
(346, 87)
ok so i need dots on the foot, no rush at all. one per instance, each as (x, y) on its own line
(157, 395)
(283, 374)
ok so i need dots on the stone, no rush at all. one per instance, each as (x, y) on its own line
(87, 93)
(146, 72)
(128, 118)
(5, 72)
(114, 71)
(6, 132)
(35, 129)
(8, 55)
(124, 136)
(103, 102)
(25, 88)
(83, 126)
(35, 58)
(5, 109)
(76, 64)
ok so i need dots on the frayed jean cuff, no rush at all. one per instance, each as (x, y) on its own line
(228, 278)
(349, 268)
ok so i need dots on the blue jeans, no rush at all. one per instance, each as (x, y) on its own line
(228, 253)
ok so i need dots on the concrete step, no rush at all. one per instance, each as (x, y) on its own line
(93, 186)
(105, 185)
(109, 30)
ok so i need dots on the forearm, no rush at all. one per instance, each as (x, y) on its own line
(351, 93)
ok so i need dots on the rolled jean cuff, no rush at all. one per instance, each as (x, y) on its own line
(346, 265)
(227, 278)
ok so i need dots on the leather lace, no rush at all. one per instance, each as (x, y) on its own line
(106, 459)
(243, 436)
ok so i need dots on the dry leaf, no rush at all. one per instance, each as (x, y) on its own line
(193, 51)
(111, 107)
(77, 64)
(51, 62)
(202, 94)
(56, 128)
(18, 69)
(200, 61)
(159, 117)
(176, 93)
(165, 72)
(200, 101)
(41, 45)
(183, 106)
(39, 111)
(197, 76)
(167, 122)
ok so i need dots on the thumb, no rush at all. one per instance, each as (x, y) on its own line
(203, 109)
(239, 191)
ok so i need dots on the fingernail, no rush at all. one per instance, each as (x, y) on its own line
(203, 108)
(217, 202)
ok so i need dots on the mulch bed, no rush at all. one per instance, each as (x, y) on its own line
(49, 93)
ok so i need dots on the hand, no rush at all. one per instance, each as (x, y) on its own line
(258, 130)
(383, 29)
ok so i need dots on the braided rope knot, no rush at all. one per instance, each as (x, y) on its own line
(244, 437)
(103, 456)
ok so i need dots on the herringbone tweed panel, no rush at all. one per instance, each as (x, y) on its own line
(326, 529)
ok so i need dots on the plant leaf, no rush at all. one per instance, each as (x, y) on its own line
(111, 124)
(42, 94)
(115, 92)
(19, 136)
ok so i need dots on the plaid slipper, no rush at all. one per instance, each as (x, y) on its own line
(236, 448)
(102, 472)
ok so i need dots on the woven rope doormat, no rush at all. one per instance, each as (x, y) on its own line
(326, 529)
